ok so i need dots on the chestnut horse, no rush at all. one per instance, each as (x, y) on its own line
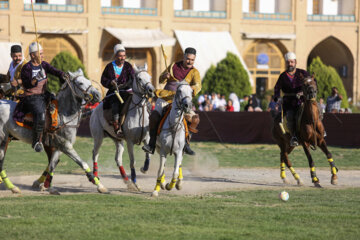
(310, 133)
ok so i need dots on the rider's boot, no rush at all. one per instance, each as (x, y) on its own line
(155, 119)
(292, 128)
(192, 129)
(117, 129)
(294, 141)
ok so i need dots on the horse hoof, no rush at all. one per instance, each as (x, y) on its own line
(167, 187)
(334, 180)
(101, 188)
(43, 188)
(317, 185)
(163, 185)
(178, 184)
(36, 185)
(142, 170)
(15, 190)
(285, 181)
(53, 191)
(155, 194)
(300, 183)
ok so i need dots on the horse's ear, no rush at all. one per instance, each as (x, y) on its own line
(72, 75)
(146, 67)
(313, 75)
(135, 68)
(80, 72)
(301, 76)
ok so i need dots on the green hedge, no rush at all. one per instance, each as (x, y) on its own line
(327, 77)
(228, 76)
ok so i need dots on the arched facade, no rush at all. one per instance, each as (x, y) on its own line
(335, 53)
(54, 44)
(265, 61)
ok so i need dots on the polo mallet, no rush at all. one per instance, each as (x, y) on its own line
(37, 40)
(118, 95)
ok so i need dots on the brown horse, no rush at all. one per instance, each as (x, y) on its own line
(311, 134)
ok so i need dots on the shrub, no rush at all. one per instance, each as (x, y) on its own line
(228, 76)
(327, 77)
(63, 61)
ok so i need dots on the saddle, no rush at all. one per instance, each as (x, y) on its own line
(107, 113)
(25, 119)
(166, 112)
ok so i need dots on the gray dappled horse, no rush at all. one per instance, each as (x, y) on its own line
(135, 127)
(76, 91)
(172, 137)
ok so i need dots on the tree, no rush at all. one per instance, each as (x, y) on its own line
(327, 78)
(228, 76)
(63, 61)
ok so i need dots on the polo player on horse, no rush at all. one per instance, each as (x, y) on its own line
(176, 72)
(117, 74)
(34, 79)
(290, 83)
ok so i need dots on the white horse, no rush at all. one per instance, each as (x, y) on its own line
(74, 93)
(172, 137)
(135, 127)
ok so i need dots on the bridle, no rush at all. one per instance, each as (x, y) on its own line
(179, 101)
(88, 97)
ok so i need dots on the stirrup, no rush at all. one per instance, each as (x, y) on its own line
(38, 147)
(294, 142)
(148, 149)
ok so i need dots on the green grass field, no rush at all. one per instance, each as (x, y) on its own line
(249, 214)
(255, 214)
(21, 159)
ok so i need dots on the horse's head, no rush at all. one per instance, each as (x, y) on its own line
(82, 88)
(183, 96)
(309, 88)
(142, 82)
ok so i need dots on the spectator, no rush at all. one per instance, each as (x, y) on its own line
(248, 107)
(222, 101)
(214, 101)
(244, 102)
(348, 110)
(322, 105)
(273, 106)
(333, 102)
(235, 101)
(230, 107)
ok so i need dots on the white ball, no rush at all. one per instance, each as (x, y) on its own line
(284, 196)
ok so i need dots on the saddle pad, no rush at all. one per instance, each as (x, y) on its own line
(51, 120)
(298, 116)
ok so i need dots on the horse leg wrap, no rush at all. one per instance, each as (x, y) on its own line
(48, 180)
(95, 169)
(146, 164)
(296, 176)
(6, 180)
(91, 177)
(123, 173)
(133, 175)
(333, 168)
(180, 173)
(282, 171)
(1, 180)
(173, 182)
(158, 183)
(313, 175)
(42, 178)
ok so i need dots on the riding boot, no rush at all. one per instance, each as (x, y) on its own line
(291, 126)
(155, 119)
(192, 129)
(187, 149)
(117, 129)
(37, 141)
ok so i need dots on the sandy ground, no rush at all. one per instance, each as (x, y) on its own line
(196, 181)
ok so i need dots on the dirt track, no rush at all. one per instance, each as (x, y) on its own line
(195, 182)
